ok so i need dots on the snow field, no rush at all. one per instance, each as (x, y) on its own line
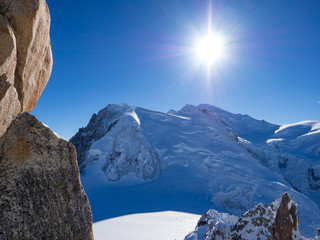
(167, 225)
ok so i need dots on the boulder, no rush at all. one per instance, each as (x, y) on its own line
(25, 56)
(30, 21)
(8, 51)
(9, 102)
(41, 196)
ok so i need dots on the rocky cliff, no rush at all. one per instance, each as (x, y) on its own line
(278, 221)
(25, 56)
(41, 196)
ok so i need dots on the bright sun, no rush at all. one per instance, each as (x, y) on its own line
(210, 49)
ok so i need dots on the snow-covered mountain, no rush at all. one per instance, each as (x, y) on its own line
(114, 138)
(136, 160)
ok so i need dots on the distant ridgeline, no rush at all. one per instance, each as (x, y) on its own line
(200, 157)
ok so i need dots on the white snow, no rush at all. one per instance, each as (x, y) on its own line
(310, 133)
(313, 125)
(134, 116)
(56, 134)
(168, 225)
(186, 118)
(275, 140)
(209, 159)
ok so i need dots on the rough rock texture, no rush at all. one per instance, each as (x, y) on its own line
(25, 56)
(9, 103)
(8, 51)
(41, 196)
(94, 131)
(278, 221)
(286, 221)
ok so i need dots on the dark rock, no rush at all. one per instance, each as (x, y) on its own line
(282, 163)
(286, 220)
(314, 179)
(91, 133)
(41, 196)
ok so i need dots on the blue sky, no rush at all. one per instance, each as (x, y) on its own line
(138, 52)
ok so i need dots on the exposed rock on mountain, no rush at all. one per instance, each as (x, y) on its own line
(9, 104)
(117, 128)
(286, 221)
(25, 56)
(279, 221)
(41, 194)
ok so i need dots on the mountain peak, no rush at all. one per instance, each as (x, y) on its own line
(105, 141)
(203, 154)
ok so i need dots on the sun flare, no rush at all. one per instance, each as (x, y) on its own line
(210, 49)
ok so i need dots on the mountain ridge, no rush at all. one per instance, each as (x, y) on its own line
(207, 157)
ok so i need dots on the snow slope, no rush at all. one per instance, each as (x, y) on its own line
(135, 160)
(166, 225)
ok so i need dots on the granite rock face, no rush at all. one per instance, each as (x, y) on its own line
(278, 221)
(9, 100)
(9, 104)
(41, 196)
(25, 56)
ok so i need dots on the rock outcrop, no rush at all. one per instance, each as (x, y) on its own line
(25, 56)
(286, 221)
(9, 100)
(278, 221)
(41, 194)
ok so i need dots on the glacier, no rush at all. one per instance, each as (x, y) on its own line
(135, 160)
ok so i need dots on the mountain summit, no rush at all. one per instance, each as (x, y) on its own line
(200, 157)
